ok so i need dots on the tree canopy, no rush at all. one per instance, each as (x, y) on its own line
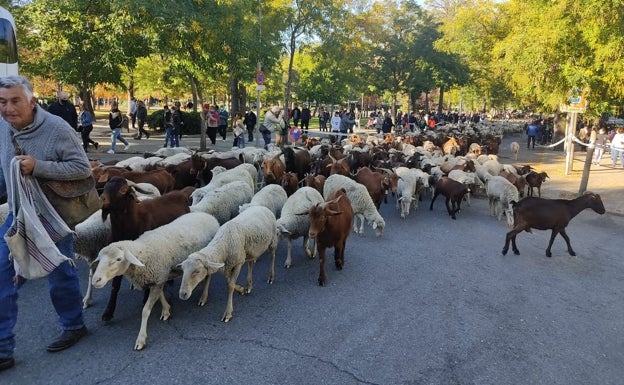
(525, 54)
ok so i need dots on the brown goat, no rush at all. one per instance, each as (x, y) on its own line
(535, 179)
(330, 226)
(201, 166)
(297, 160)
(376, 184)
(340, 166)
(453, 191)
(273, 169)
(290, 183)
(554, 214)
(315, 181)
(130, 218)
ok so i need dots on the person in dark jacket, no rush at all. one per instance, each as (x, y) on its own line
(306, 115)
(141, 117)
(65, 109)
(250, 121)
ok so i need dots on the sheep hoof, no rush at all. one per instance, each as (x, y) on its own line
(201, 302)
(321, 282)
(516, 251)
(548, 254)
(572, 253)
(270, 281)
(226, 318)
(139, 345)
(504, 252)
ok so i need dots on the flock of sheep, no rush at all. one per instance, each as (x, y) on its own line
(235, 218)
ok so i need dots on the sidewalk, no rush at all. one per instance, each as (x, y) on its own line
(603, 179)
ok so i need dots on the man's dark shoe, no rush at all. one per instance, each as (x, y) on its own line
(67, 339)
(6, 363)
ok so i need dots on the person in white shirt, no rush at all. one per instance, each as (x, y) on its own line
(335, 122)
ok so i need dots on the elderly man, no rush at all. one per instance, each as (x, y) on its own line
(65, 109)
(51, 150)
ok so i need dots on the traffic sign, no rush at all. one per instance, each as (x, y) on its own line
(294, 134)
(259, 77)
(260, 87)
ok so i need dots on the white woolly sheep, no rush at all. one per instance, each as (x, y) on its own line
(148, 260)
(272, 196)
(221, 177)
(361, 202)
(493, 167)
(291, 225)
(93, 234)
(406, 188)
(139, 163)
(515, 149)
(243, 239)
(169, 151)
(467, 178)
(224, 202)
(501, 195)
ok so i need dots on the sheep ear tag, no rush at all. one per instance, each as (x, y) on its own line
(132, 259)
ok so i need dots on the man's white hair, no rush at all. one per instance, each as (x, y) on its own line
(17, 81)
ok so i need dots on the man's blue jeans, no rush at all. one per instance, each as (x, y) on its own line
(62, 283)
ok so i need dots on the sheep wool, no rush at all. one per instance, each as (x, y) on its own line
(224, 202)
(292, 226)
(272, 196)
(361, 202)
(243, 239)
(147, 261)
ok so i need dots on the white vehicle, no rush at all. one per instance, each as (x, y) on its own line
(8, 44)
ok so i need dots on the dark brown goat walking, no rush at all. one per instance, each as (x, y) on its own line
(330, 226)
(555, 214)
(453, 191)
(130, 218)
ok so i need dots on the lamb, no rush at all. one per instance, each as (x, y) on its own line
(271, 196)
(243, 239)
(361, 202)
(224, 202)
(553, 214)
(148, 260)
(502, 194)
(454, 192)
(291, 225)
(515, 149)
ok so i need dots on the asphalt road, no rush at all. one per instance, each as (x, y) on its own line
(432, 301)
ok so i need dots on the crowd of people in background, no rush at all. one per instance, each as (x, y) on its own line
(278, 121)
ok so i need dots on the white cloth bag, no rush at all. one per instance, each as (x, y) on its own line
(35, 229)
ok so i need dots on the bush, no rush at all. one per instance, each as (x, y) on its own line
(191, 120)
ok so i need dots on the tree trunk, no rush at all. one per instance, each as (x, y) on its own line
(441, 100)
(235, 107)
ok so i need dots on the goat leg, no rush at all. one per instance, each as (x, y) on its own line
(567, 239)
(112, 300)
